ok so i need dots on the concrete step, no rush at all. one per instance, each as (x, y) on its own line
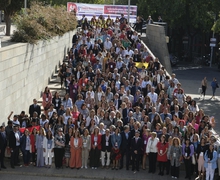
(54, 86)
(55, 75)
(54, 80)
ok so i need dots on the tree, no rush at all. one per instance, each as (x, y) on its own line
(40, 22)
(9, 10)
(4, 3)
(192, 18)
(64, 2)
(216, 12)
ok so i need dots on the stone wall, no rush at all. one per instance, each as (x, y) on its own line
(156, 41)
(25, 70)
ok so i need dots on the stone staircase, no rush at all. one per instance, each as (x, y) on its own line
(54, 86)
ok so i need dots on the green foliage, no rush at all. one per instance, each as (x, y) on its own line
(42, 22)
(187, 14)
(4, 4)
(216, 26)
(64, 2)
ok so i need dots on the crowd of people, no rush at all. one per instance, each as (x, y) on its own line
(114, 114)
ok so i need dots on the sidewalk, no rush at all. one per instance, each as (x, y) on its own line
(105, 174)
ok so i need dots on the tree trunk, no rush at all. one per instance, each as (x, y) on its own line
(8, 23)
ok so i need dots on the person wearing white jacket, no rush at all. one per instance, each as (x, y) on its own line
(151, 151)
(48, 145)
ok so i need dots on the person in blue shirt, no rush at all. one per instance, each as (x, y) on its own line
(103, 86)
(210, 162)
(214, 85)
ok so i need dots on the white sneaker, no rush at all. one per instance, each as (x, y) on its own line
(175, 177)
(95, 167)
(92, 167)
(85, 167)
(172, 177)
(82, 167)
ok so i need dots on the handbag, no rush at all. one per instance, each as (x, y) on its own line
(217, 85)
(200, 90)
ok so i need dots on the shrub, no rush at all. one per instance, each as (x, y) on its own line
(42, 22)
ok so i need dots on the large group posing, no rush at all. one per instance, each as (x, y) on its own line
(114, 114)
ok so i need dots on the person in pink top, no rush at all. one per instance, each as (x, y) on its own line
(75, 114)
(195, 125)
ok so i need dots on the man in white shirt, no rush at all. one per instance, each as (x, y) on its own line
(153, 96)
(119, 63)
(15, 119)
(129, 52)
(115, 73)
(160, 76)
(173, 78)
(88, 44)
(117, 82)
(107, 44)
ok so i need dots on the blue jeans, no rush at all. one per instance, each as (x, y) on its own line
(213, 91)
(26, 157)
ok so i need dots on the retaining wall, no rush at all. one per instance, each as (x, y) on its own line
(25, 70)
(156, 41)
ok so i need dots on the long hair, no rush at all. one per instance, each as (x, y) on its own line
(46, 89)
(49, 136)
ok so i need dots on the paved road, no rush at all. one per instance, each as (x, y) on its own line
(22, 177)
(190, 78)
(32, 173)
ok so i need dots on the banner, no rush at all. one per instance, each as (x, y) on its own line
(89, 10)
(29, 128)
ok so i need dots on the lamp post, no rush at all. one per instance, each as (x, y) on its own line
(129, 6)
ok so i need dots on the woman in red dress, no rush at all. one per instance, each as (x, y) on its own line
(162, 147)
(33, 147)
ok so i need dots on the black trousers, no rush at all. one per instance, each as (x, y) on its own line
(127, 154)
(58, 155)
(14, 156)
(135, 161)
(168, 167)
(194, 168)
(33, 156)
(203, 90)
(2, 155)
(188, 167)
(175, 171)
(152, 162)
(95, 157)
(62, 79)
(162, 166)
